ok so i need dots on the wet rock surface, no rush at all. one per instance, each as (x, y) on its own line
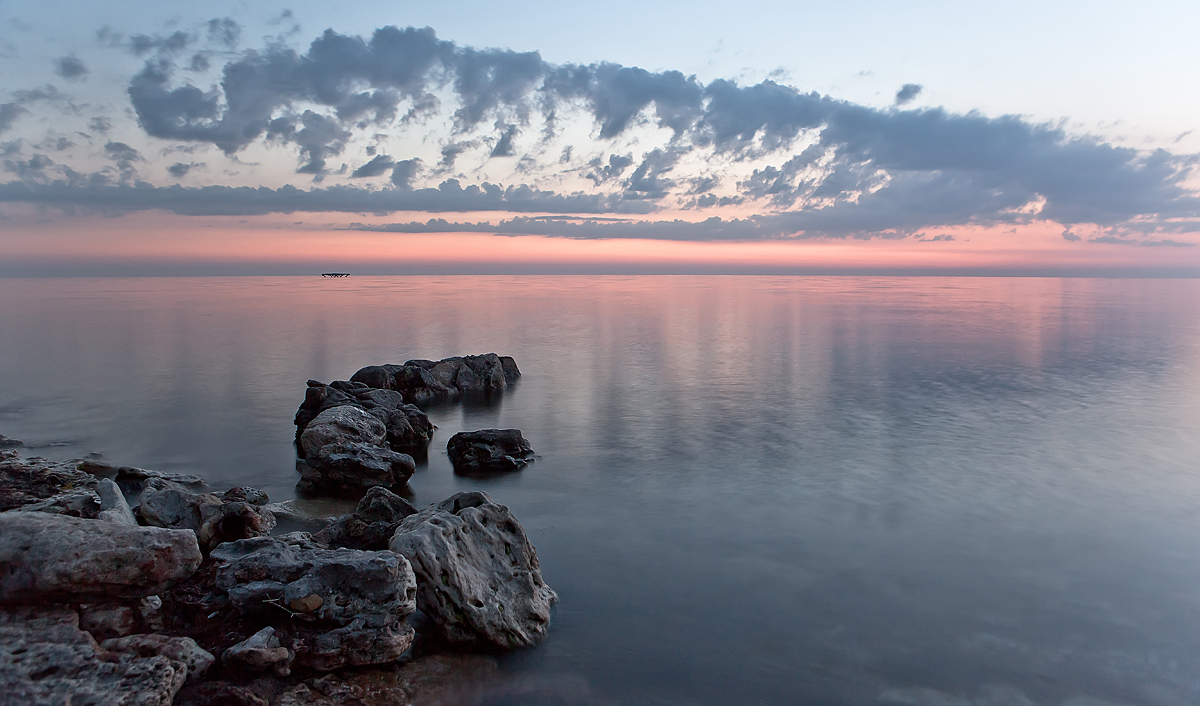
(45, 557)
(478, 574)
(46, 659)
(345, 450)
(372, 523)
(489, 451)
(406, 427)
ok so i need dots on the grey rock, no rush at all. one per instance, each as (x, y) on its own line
(113, 507)
(177, 649)
(336, 607)
(478, 575)
(45, 659)
(288, 518)
(345, 449)
(489, 451)
(246, 494)
(260, 652)
(212, 519)
(6, 442)
(47, 557)
(372, 523)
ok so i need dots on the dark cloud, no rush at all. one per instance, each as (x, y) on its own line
(9, 112)
(404, 172)
(100, 124)
(380, 164)
(71, 68)
(224, 30)
(179, 170)
(504, 146)
(649, 180)
(1070, 237)
(908, 93)
(617, 164)
(92, 191)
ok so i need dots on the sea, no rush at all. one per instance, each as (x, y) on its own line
(929, 491)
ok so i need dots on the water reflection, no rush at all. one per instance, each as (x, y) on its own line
(749, 490)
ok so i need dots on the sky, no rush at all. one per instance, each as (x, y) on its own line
(923, 137)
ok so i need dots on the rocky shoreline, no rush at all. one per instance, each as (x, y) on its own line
(120, 585)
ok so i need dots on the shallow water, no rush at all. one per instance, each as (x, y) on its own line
(749, 490)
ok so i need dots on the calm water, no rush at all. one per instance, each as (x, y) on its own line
(750, 490)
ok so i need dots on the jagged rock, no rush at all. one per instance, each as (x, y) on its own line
(406, 427)
(245, 494)
(344, 450)
(334, 607)
(213, 519)
(489, 451)
(477, 573)
(372, 523)
(176, 649)
(46, 557)
(428, 381)
(6, 442)
(260, 652)
(55, 486)
(46, 659)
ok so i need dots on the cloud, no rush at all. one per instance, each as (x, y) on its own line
(404, 172)
(71, 68)
(908, 93)
(1070, 237)
(380, 164)
(9, 112)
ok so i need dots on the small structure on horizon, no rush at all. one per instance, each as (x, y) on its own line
(335, 274)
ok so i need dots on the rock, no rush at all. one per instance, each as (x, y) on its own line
(406, 427)
(334, 607)
(488, 451)
(380, 377)
(54, 486)
(432, 679)
(6, 442)
(477, 573)
(260, 652)
(109, 620)
(372, 523)
(427, 381)
(212, 519)
(47, 557)
(246, 495)
(288, 518)
(113, 507)
(344, 450)
(176, 649)
(46, 659)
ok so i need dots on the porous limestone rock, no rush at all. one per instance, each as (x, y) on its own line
(177, 649)
(333, 607)
(477, 573)
(46, 659)
(407, 428)
(45, 557)
(488, 451)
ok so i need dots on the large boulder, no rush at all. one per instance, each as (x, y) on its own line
(52, 486)
(428, 381)
(372, 523)
(214, 519)
(45, 557)
(489, 451)
(477, 573)
(344, 450)
(332, 607)
(46, 659)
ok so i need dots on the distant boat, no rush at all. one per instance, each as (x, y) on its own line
(335, 274)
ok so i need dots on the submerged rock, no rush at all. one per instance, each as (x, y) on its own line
(477, 573)
(213, 519)
(332, 607)
(344, 450)
(372, 523)
(46, 557)
(489, 451)
(46, 659)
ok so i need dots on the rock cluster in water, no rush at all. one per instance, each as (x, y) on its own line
(120, 585)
